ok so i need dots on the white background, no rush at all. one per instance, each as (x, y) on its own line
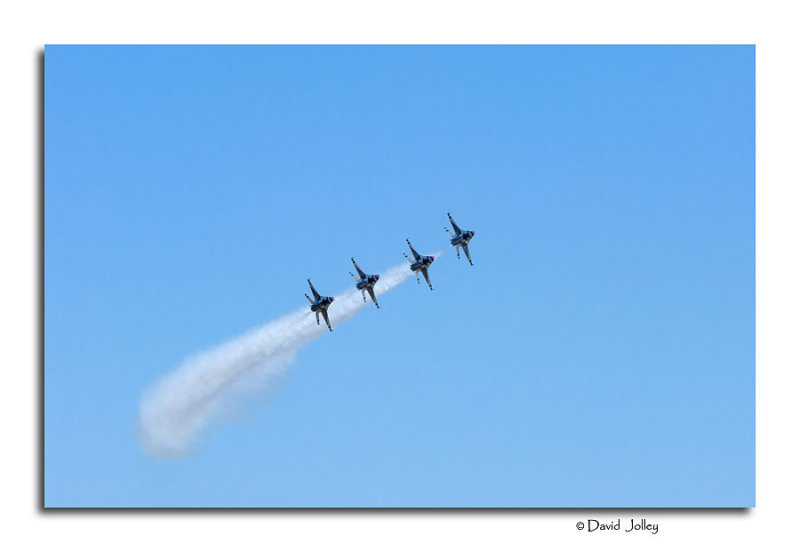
(26, 27)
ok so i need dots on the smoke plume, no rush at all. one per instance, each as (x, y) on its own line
(175, 411)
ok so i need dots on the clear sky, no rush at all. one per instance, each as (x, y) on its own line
(601, 352)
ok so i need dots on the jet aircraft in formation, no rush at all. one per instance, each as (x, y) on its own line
(461, 238)
(366, 282)
(320, 304)
(419, 264)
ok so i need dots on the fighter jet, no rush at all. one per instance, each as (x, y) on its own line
(365, 282)
(320, 304)
(419, 264)
(461, 239)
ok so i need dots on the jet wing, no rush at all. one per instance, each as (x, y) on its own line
(327, 321)
(372, 294)
(358, 269)
(425, 273)
(413, 251)
(314, 291)
(455, 226)
(466, 252)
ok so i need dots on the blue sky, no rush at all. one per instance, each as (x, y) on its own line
(601, 352)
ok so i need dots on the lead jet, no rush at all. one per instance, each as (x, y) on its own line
(365, 282)
(320, 304)
(419, 264)
(461, 238)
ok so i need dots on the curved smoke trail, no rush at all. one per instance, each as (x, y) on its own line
(176, 410)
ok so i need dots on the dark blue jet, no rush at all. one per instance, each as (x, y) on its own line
(419, 264)
(365, 282)
(320, 304)
(461, 239)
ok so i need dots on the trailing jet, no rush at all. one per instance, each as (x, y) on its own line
(419, 264)
(320, 304)
(461, 239)
(366, 282)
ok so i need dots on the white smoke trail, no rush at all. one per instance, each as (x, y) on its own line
(175, 411)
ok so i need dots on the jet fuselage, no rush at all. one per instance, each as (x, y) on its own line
(321, 303)
(368, 282)
(462, 238)
(423, 262)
